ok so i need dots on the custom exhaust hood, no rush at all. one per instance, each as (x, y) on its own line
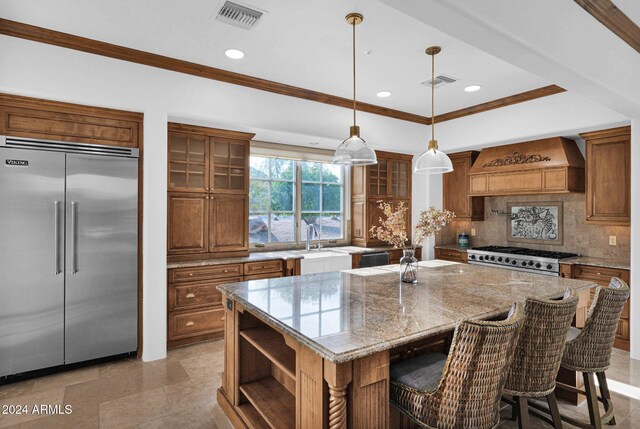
(548, 166)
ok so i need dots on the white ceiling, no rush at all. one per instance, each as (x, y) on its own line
(303, 43)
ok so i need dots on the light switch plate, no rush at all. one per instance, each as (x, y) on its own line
(613, 240)
(473, 232)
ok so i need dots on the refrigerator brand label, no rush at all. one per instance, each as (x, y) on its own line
(16, 163)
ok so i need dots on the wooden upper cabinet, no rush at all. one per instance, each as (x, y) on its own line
(187, 223)
(455, 188)
(188, 162)
(52, 120)
(229, 165)
(388, 180)
(208, 210)
(608, 173)
(230, 231)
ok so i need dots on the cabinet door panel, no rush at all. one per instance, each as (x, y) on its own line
(608, 181)
(229, 165)
(188, 224)
(229, 223)
(455, 188)
(378, 179)
(188, 162)
(399, 178)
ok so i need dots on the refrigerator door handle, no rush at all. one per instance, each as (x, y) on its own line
(56, 238)
(74, 263)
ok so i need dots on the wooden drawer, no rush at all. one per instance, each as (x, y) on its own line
(204, 273)
(192, 323)
(600, 275)
(251, 268)
(183, 296)
(264, 276)
(451, 255)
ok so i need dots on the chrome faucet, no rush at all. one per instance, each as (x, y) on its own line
(311, 230)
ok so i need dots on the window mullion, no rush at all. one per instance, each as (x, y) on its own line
(298, 202)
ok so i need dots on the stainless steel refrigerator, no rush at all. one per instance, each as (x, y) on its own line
(68, 253)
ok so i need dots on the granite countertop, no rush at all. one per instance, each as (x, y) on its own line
(623, 264)
(348, 315)
(451, 247)
(271, 255)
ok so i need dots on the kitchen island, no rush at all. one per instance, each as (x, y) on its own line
(314, 351)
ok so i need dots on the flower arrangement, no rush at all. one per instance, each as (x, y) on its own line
(431, 221)
(392, 229)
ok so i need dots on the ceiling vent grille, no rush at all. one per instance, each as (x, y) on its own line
(439, 81)
(239, 15)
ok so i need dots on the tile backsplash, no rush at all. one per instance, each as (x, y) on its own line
(587, 240)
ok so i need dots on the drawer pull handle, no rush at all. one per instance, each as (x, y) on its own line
(189, 323)
(190, 274)
(190, 295)
(226, 271)
(599, 274)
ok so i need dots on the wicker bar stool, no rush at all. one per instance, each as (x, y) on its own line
(538, 355)
(588, 350)
(463, 389)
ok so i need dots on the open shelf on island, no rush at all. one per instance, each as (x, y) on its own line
(272, 401)
(251, 416)
(271, 344)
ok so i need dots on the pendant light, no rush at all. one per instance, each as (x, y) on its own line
(433, 161)
(354, 150)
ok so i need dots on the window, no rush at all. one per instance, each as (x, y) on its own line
(284, 194)
(322, 198)
(272, 200)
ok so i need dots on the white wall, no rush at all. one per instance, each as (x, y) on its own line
(635, 239)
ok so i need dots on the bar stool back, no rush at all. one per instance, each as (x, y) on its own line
(539, 353)
(463, 389)
(588, 350)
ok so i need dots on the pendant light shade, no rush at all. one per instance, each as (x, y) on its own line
(433, 161)
(354, 150)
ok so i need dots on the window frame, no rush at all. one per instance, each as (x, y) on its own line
(300, 241)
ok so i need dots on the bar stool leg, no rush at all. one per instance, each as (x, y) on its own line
(606, 395)
(592, 400)
(523, 413)
(514, 409)
(553, 409)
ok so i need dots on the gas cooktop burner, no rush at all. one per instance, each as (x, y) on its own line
(519, 258)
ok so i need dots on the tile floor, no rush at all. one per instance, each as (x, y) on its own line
(179, 392)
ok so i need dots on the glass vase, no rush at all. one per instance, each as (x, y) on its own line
(409, 267)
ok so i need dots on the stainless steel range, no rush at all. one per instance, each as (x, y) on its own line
(519, 258)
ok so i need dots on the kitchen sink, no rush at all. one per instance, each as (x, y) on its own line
(321, 261)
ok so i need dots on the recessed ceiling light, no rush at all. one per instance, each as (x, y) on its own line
(383, 94)
(472, 88)
(234, 54)
(368, 52)
(314, 143)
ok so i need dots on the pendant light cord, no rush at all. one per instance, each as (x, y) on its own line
(433, 116)
(353, 24)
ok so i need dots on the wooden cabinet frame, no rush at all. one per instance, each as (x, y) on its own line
(224, 226)
(456, 188)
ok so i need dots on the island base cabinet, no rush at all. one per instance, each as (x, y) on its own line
(270, 380)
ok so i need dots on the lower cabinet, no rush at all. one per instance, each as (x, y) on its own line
(602, 276)
(396, 254)
(195, 310)
(452, 255)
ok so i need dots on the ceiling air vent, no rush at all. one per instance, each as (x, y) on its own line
(440, 80)
(239, 15)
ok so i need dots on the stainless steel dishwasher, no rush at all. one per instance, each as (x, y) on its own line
(374, 259)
